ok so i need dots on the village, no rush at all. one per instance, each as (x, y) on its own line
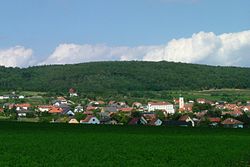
(178, 112)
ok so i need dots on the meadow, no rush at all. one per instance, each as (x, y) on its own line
(36, 144)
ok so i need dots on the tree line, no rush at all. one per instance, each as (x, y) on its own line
(117, 76)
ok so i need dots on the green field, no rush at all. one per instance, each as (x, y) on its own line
(34, 144)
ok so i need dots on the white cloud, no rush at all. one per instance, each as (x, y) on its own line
(204, 48)
(72, 53)
(16, 57)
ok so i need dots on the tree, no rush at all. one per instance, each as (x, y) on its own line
(135, 114)
(80, 116)
(160, 114)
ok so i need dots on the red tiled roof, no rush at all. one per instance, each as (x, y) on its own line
(126, 109)
(88, 112)
(231, 121)
(214, 119)
(45, 106)
(236, 112)
(23, 105)
(55, 110)
(246, 107)
(90, 108)
(183, 118)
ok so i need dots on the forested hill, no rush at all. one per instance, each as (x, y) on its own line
(123, 76)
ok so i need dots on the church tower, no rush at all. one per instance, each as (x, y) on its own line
(181, 102)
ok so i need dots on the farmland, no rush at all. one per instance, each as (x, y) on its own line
(36, 144)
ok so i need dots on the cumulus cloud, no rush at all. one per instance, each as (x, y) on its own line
(206, 48)
(203, 47)
(229, 49)
(73, 53)
(16, 57)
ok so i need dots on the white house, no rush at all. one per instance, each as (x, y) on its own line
(201, 101)
(21, 97)
(45, 108)
(23, 106)
(90, 119)
(72, 92)
(78, 108)
(165, 106)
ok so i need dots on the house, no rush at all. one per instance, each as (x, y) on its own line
(246, 108)
(91, 108)
(73, 121)
(88, 112)
(232, 123)
(164, 106)
(90, 119)
(44, 108)
(60, 100)
(78, 108)
(68, 112)
(21, 113)
(136, 105)
(126, 110)
(143, 121)
(201, 101)
(235, 113)
(109, 109)
(187, 107)
(21, 97)
(186, 118)
(96, 103)
(23, 106)
(155, 122)
(4, 97)
(201, 114)
(72, 92)
(214, 121)
(55, 110)
(231, 107)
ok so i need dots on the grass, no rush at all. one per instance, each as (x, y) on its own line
(35, 144)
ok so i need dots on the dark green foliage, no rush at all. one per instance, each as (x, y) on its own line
(80, 116)
(121, 77)
(197, 107)
(135, 114)
(36, 144)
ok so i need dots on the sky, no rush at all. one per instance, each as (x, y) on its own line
(35, 32)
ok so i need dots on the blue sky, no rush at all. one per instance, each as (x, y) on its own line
(43, 26)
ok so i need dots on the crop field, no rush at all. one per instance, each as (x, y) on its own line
(34, 144)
